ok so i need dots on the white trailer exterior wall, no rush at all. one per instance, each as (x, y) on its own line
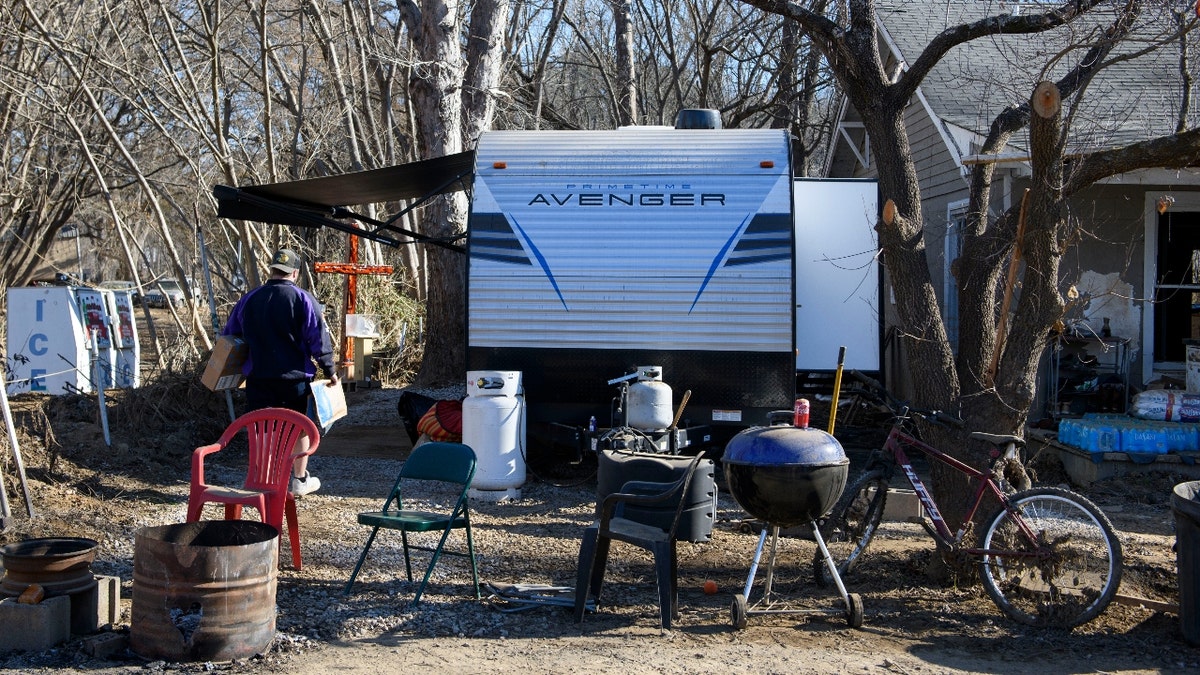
(594, 252)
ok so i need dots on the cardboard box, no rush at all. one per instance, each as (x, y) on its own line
(224, 369)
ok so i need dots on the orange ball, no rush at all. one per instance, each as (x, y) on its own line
(710, 587)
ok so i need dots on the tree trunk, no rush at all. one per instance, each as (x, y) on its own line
(901, 240)
(626, 94)
(436, 89)
(454, 103)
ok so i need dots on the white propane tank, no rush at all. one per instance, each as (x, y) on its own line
(649, 403)
(493, 424)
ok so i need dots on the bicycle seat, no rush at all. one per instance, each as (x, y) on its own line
(998, 439)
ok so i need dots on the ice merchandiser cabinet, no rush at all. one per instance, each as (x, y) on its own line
(66, 339)
(493, 424)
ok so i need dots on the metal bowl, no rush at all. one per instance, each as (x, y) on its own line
(61, 565)
(784, 475)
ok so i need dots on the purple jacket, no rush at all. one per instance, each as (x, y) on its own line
(284, 332)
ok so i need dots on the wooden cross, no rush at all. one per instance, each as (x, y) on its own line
(351, 269)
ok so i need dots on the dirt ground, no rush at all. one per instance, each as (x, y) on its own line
(80, 486)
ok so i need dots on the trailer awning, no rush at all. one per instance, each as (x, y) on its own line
(326, 201)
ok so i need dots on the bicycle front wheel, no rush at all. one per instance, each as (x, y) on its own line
(1053, 559)
(849, 527)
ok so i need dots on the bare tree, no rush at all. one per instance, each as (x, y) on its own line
(454, 101)
(852, 47)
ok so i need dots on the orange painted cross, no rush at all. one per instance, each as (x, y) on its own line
(351, 269)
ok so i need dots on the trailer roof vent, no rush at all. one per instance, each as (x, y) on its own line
(698, 118)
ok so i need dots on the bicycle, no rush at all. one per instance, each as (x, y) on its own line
(1048, 557)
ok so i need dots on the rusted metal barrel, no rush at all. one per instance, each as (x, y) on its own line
(60, 565)
(204, 591)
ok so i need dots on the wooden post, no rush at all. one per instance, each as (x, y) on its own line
(5, 514)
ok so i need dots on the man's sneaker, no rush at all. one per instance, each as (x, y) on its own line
(303, 486)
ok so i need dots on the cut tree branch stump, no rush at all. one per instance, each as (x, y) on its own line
(1046, 101)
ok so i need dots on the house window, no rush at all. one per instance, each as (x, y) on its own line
(1176, 284)
(956, 213)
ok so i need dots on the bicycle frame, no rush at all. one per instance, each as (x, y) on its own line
(899, 439)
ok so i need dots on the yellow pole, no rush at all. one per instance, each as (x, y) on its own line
(837, 389)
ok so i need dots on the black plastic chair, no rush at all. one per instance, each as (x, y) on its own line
(438, 461)
(593, 551)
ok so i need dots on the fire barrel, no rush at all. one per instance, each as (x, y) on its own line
(204, 591)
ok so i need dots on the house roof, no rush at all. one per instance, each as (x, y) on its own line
(1132, 100)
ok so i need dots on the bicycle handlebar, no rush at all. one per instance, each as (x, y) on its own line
(881, 395)
(945, 418)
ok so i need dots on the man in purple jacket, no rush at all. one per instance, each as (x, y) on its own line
(287, 339)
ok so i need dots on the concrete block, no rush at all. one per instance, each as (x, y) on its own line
(106, 645)
(97, 608)
(902, 506)
(34, 627)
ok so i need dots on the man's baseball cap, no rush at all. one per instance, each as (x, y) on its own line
(285, 260)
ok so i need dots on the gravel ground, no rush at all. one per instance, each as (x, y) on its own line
(912, 623)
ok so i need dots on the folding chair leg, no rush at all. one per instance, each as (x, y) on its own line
(587, 558)
(474, 565)
(407, 559)
(361, 558)
(437, 553)
(289, 511)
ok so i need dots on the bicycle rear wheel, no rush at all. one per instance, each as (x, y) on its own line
(851, 524)
(1063, 577)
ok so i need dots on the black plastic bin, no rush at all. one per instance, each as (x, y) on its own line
(1186, 505)
(616, 467)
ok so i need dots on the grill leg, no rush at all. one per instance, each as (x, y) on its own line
(833, 572)
(762, 539)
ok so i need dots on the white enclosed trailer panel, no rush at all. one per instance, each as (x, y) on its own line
(837, 274)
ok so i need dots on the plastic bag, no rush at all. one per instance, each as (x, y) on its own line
(1167, 405)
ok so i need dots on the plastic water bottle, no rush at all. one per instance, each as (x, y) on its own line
(592, 425)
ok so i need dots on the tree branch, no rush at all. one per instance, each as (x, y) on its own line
(1177, 151)
(1002, 24)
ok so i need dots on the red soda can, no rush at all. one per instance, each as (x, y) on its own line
(800, 414)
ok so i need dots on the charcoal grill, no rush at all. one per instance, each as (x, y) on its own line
(783, 476)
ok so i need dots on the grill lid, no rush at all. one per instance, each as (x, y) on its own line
(784, 445)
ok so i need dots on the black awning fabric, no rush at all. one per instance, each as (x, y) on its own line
(318, 202)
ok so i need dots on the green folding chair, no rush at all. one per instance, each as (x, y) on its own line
(452, 463)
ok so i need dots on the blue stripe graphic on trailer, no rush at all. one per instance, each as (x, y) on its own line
(769, 237)
(492, 238)
(541, 261)
(712, 269)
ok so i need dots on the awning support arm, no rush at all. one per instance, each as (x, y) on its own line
(342, 212)
(437, 191)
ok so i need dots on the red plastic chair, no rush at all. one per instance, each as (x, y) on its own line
(272, 434)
